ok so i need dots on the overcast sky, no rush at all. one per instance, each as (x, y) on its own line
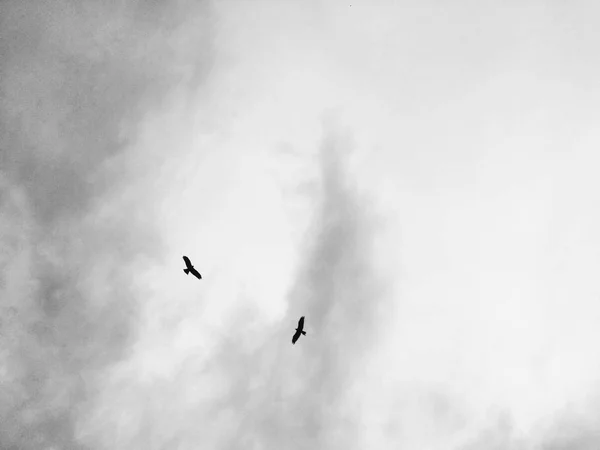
(419, 179)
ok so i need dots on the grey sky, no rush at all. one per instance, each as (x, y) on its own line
(417, 178)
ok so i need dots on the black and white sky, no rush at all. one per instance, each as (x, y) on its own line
(417, 178)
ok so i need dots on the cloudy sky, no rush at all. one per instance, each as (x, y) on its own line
(418, 178)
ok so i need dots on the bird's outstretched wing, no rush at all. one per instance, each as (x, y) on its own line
(195, 273)
(301, 323)
(187, 261)
(295, 337)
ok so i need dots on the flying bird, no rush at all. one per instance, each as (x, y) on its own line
(189, 268)
(299, 330)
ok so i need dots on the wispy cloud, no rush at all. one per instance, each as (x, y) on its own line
(305, 395)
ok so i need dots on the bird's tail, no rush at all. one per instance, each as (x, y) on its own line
(303, 332)
(186, 271)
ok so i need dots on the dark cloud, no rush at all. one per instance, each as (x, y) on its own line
(76, 78)
(74, 75)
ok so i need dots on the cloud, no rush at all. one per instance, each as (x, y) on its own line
(107, 176)
(76, 80)
(304, 392)
(573, 428)
(243, 383)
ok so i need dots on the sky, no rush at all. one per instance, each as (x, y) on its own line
(416, 178)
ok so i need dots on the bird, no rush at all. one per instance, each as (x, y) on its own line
(299, 330)
(189, 268)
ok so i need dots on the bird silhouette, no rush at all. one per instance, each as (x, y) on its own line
(190, 269)
(299, 330)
